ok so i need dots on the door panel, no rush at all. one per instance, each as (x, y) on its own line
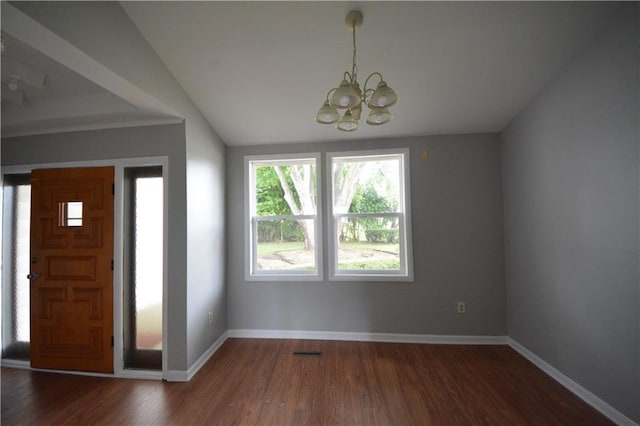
(71, 275)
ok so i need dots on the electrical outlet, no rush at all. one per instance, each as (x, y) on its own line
(211, 317)
(462, 307)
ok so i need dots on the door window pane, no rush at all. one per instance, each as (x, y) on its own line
(70, 213)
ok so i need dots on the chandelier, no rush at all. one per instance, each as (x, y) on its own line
(348, 96)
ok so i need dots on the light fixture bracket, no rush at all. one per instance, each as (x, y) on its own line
(353, 19)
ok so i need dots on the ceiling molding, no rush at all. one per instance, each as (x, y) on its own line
(68, 107)
(60, 126)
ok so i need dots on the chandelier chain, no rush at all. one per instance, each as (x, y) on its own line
(354, 68)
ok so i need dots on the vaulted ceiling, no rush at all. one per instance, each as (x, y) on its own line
(40, 95)
(259, 71)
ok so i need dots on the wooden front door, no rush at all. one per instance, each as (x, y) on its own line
(71, 269)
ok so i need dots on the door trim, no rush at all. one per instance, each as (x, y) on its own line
(118, 267)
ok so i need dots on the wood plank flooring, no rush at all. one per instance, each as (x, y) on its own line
(261, 382)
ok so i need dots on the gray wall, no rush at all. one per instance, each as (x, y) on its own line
(104, 31)
(206, 249)
(457, 244)
(570, 175)
(167, 140)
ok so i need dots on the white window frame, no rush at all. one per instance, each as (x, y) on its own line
(251, 271)
(405, 238)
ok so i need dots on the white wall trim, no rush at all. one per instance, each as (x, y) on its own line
(176, 376)
(591, 399)
(367, 337)
(130, 374)
(139, 374)
(185, 376)
(14, 363)
(53, 129)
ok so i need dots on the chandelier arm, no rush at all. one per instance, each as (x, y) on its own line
(330, 91)
(367, 80)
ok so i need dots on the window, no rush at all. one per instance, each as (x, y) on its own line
(282, 217)
(70, 214)
(15, 258)
(369, 219)
(143, 260)
(369, 224)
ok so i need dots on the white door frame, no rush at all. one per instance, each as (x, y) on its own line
(118, 267)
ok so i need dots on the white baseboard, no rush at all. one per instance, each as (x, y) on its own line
(170, 376)
(185, 376)
(367, 337)
(591, 399)
(13, 363)
(139, 374)
(125, 374)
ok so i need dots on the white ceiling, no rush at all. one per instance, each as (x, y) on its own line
(259, 71)
(60, 88)
(64, 100)
(59, 80)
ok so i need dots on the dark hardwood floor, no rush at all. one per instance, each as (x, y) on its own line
(256, 381)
